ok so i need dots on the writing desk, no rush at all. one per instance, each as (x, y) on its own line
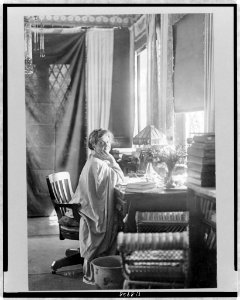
(154, 200)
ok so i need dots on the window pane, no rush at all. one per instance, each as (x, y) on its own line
(187, 125)
(194, 123)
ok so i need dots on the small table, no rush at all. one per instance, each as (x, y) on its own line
(155, 200)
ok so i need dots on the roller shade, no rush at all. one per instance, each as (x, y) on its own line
(188, 79)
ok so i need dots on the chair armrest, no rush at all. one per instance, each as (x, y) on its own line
(74, 206)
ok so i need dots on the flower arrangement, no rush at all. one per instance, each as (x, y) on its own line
(169, 155)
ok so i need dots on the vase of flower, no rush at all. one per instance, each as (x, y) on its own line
(168, 155)
(169, 183)
(172, 155)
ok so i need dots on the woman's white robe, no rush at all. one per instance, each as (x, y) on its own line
(98, 227)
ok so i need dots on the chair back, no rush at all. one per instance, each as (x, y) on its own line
(61, 186)
(60, 190)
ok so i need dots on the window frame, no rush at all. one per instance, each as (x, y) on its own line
(137, 86)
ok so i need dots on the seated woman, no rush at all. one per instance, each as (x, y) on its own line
(98, 229)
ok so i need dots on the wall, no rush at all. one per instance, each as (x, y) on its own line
(121, 106)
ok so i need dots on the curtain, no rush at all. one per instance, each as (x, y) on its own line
(209, 100)
(170, 113)
(132, 78)
(140, 32)
(152, 72)
(99, 77)
(55, 116)
(163, 66)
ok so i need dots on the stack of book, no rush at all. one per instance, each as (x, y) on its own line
(201, 160)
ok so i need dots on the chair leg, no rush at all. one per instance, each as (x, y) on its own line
(74, 259)
(125, 285)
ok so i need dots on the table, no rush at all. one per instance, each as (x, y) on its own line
(156, 200)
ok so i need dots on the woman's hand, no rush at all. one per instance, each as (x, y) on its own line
(105, 156)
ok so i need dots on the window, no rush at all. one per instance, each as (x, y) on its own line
(187, 125)
(140, 90)
(194, 123)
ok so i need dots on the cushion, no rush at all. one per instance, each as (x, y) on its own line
(67, 221)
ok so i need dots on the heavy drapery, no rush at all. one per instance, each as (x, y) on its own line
(99, 77)
(55, 116)
(209, 100)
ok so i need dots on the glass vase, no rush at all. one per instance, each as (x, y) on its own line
(169, 183)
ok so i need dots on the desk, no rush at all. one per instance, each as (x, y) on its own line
(156, 200)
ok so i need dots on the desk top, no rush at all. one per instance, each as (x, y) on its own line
(122, 190)
(152, 200)
(207, 191)
(141, 182)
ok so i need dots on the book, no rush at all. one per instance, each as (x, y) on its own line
(207, 146)
(200, 175)
(202, 182)
(200, 167)
(201, 152)
(201, 160)
(205, 138)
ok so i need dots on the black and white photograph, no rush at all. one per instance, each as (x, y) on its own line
(121, 154)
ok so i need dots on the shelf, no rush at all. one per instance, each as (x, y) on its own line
(205, 191)
(209, 223)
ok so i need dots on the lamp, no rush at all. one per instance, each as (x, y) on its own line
(150, 135)
(33, 42)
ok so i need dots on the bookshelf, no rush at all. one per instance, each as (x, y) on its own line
(201, 203)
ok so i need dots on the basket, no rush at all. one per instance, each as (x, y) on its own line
(108, 272)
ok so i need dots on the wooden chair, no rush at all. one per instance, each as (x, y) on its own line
(60, 190)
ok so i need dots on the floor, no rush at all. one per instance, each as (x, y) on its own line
(44, 247)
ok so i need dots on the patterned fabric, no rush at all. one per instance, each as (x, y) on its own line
(55, 117)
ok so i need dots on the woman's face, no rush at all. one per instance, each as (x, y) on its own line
(103, 144)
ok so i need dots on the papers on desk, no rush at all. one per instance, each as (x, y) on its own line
(142, 186)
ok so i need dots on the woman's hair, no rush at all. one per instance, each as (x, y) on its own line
(96, 134)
